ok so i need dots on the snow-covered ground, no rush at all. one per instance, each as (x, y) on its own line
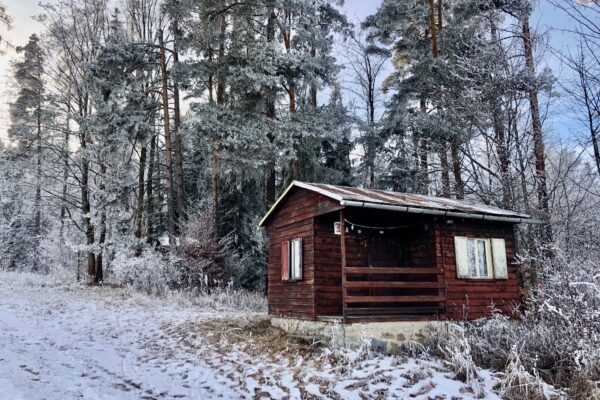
(65, 342)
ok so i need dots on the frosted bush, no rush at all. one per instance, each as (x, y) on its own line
(59, 277)
(209, 261)
(151, 271)
(221, 299)
(460, 360)
(16, 242)
(558, 337)
(56, 254)
(519, 384)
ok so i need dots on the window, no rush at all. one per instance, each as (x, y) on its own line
(291, 260)
(478, 258)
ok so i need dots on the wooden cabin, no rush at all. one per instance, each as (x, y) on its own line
(357, 255)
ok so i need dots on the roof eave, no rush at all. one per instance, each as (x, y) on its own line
(520, 219)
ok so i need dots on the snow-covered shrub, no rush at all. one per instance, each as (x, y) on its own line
(557, 340)
(151, 271)
(519, 384)
(209, 261)
(16, 240)
(460, 360)
(345, 358)
(60, 278)
(56, 253)
(222, 298)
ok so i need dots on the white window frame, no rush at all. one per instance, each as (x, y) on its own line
(295, 259)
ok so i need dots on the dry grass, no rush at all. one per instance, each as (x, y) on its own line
(257, 340)
(253, 335)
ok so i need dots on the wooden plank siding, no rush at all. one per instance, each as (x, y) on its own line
(328, 267)
(295, 219)
(472, 298)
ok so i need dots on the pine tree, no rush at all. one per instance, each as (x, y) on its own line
(122, 112)
(408, 30)
(28, 117)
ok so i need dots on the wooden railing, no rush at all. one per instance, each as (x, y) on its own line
(389, 293)
(390, 270)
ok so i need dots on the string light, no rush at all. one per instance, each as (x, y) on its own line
(379, 228)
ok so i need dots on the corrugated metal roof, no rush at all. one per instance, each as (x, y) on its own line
(372, 198)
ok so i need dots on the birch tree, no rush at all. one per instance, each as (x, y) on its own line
(76, 31)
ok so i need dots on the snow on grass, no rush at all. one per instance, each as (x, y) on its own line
(72, 341)
(306, 371)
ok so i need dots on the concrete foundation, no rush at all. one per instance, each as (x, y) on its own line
(383, 336)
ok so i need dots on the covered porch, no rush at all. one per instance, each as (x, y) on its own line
(388, 267)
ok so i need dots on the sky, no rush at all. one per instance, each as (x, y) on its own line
(547, 19)
(24, 24)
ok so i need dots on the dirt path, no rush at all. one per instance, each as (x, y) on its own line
(93, 343)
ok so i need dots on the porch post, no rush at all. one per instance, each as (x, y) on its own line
(343, 256)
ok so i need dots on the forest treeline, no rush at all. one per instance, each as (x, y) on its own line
(147, 128)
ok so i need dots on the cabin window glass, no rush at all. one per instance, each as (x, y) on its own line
(479, 258)
(482, 257)
(295, 259)
(285, 262)
(474, 258)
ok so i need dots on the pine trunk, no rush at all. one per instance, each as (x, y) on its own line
(445, 170)
(179, 182)
(98, 276)
(422, 144)
(38, 190)
(270, 184)
(140, 199)
(538, 140)
(86, 210)
(536, 123)
(457, 169)
(150, 217)
(313, 83)
(63, 206)
(498, 118)
(434, 29)
(216, 177)
(168, 143)
(502, 151)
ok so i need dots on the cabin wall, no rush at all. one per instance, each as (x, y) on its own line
(328, 267)
(294, 219)
(471, 298)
